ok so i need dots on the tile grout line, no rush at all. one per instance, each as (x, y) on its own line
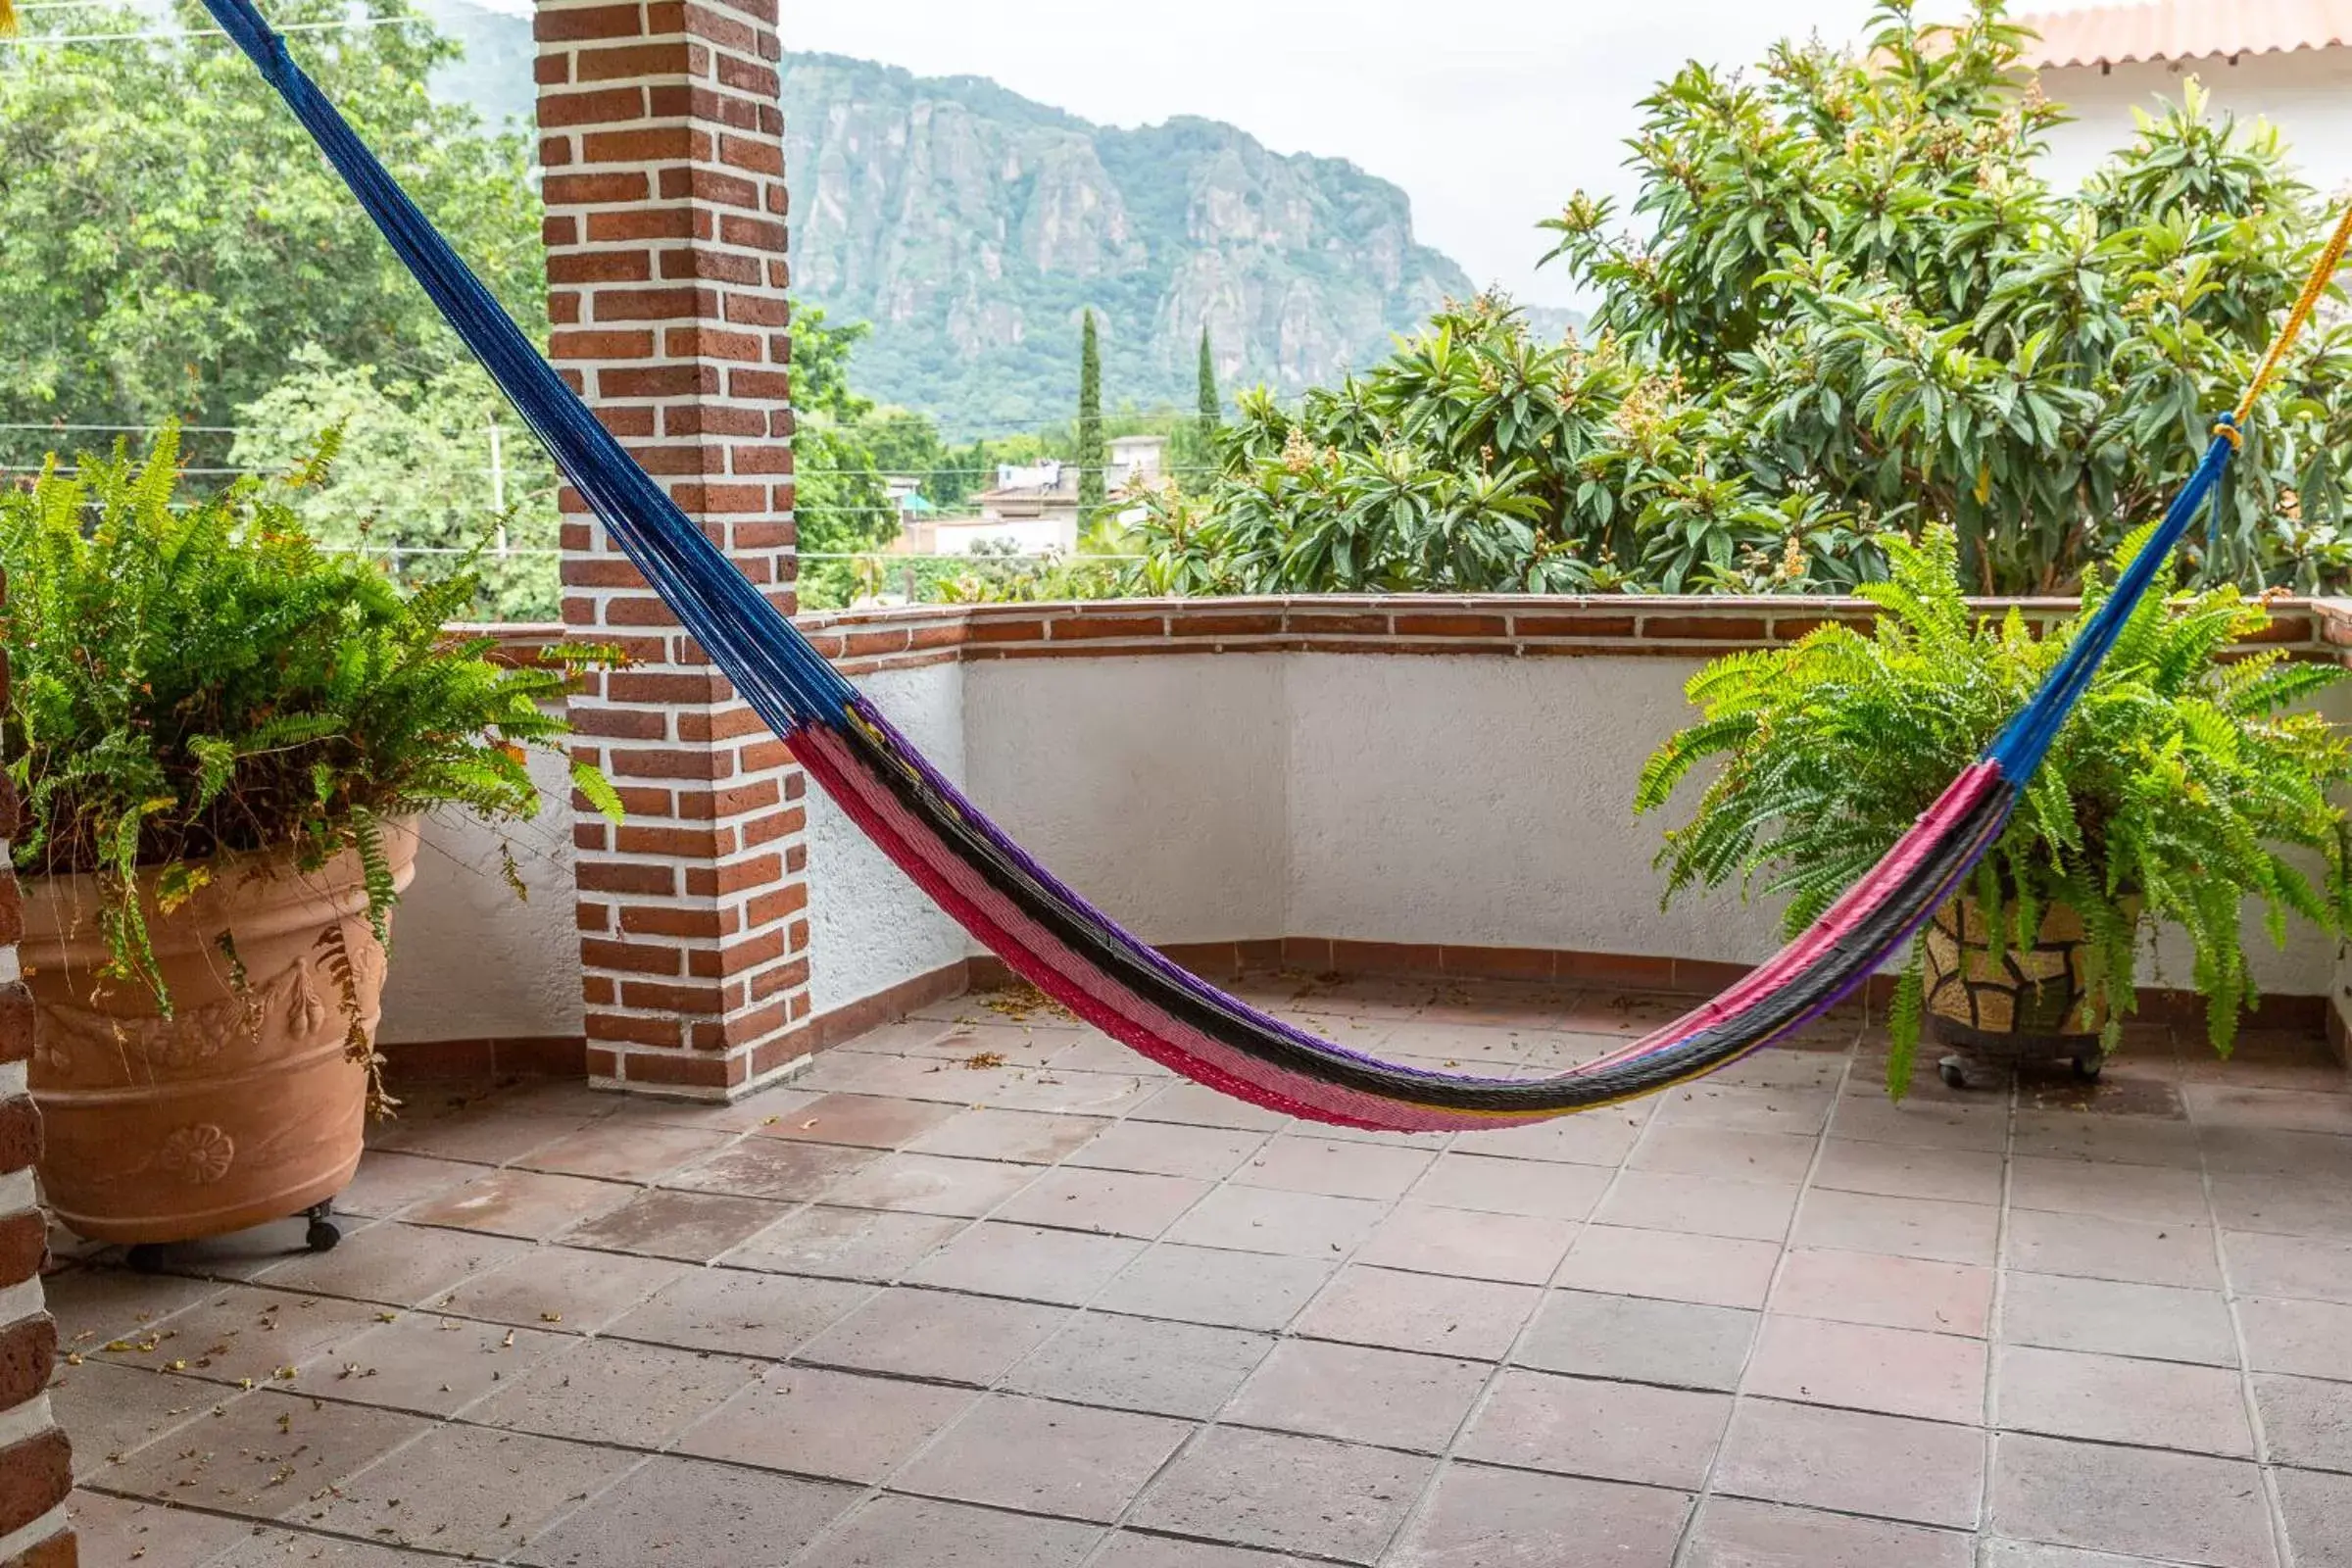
(1687, 1541)
(1981, 1546)
(2266, 1471)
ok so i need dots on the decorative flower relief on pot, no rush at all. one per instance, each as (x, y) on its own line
(289, 1011)
(200, 1154)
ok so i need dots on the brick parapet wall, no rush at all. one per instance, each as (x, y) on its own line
(666, 234)
(36, 1469)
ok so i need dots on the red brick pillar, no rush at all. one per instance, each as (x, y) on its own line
(36, 1470)
(662, 140)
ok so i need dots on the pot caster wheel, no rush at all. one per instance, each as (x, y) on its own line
(147, 1257)
(1954, 1075)
(2088, 1069)
(323, 1233)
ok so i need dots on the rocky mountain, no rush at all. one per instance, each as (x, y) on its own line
(971, 227)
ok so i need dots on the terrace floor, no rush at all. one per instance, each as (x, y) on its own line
(983, 1289)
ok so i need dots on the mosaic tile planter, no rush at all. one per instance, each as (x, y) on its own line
(2023, 1004)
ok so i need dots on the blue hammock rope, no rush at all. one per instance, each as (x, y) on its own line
(1048, 933)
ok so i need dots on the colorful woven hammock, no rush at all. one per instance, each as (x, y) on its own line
(1051, 935)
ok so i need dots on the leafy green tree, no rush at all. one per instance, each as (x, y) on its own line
(1853, 307)
(1090, 422)
(168, 233)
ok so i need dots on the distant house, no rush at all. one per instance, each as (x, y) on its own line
(2286, 61)
(1033, 507)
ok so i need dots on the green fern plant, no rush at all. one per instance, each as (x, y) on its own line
(196, 678)
(2190, 779)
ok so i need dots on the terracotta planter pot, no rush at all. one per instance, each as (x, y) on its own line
(2024, 1004)
(245, 1104)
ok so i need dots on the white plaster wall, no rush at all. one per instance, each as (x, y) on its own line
(2307, 95)
(869, 926)
(469, 960)
(1154, 786)
(1488, 802)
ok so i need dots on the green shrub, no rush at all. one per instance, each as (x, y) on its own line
(2182, 787)
(198, 681)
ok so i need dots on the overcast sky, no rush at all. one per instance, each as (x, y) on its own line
(1489, 113)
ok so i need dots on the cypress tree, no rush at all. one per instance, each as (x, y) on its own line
(1090, 424)
(1209, 414)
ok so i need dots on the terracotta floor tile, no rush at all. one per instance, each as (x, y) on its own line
(389, 1181)
(1487, 1516)
(2117, 1140)
(522, 1203)
(1594, 1138)
(1801, 1113)
(851, 1243)
(2100, 1246)
(931, 1334)
(2159, 1322)
(2288, 1265)
(1426, 1312)
(2288, 1205)
(1169, 1148)
(682, 1511)
(1891, 1171)
(2318, 1517)
(264, 1455)
(1022, 1260)
(2114, 1399)
(1196, 1105)
(609, 1391)
(1847, 1461)
(1043, 1457)
(1203, 1285)
(109, 1411)
(467, 1490)
(1678, 1343)
(1999, 1554)
(2305, 1421)
(889, 1530)
(2125, 1191)
(1731, 1533)
(488, 1134)
(1935, 1377)
(2266, 1151)
(93, 1304)
(932, 1184)
(2213, 1104)
(1305, 1163)
(1097, 1052)
(1147, 1364)
(2132, 1501)
(690, 1227)
(1713, 1152)
(1250, 1219)
(276, 1548)
(1111, 1202)
(1866, 1114)
(149, 1534)
(1612, 1431)
(423, 1362)
(1699, 1205)
(866, 1122)
(245, 1333)
(1934, 1229)
(765, 1109)
(1512, 1247)
(1126, 1550)
(1897, 1293)
(2305, 1338)
(1359, 1394)
(1027, 1136)
(1707, 1269)
(817, 1422)
(1544, 1190)
(1082, 1094)
(560, 1288)
(1269, 1490)
(738, 1313)
(399, 1265)
(773, 1168)
(637, 1151)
